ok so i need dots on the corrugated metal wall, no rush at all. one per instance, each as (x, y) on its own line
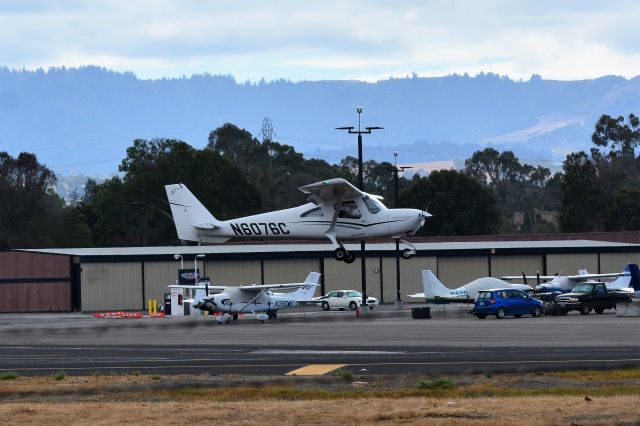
(35, 282)
(455, 271)
(339, 275)
(233, 272)
(614, 262)
(289, 271)
(569, 264)
(157, 276)
(516, 264)
(112, 286)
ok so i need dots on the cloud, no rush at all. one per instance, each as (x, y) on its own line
(329, 39)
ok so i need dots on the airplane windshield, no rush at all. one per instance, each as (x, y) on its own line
(373, 206)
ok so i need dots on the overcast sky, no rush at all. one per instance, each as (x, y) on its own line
(328, 39)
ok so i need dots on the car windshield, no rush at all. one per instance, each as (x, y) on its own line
(583, 288)
(353, 293)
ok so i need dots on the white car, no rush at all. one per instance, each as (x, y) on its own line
(345, 299)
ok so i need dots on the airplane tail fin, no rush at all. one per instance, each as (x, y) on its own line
(305, 294)
(189, 215)
(432, 285)
(634, 272)
(630, 280)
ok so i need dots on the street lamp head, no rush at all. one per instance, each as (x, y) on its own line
(177, 256)
(345, 128)
(199, 255)
(374, 128)
(395, 153)
(359, 110)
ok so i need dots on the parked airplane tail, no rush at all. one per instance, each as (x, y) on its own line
(306, 293)
(432, 285)
(630, 280)
(634, 272)
(189, 215)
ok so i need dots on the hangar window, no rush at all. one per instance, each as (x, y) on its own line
(315, 212)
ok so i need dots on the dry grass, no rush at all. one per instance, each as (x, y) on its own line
(550, 398)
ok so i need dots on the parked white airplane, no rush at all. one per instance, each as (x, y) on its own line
(628, 278)
(255, 299)
(337, 211)
(436, 292)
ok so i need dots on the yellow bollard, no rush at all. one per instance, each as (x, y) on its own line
(149, 306)
(155, 306)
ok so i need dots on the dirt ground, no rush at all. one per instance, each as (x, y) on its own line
(587, 397)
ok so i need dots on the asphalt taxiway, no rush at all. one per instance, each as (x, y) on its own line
(386, 343)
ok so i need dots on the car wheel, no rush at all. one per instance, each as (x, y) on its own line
(325, 306)
(598, 310)
(584, 310)
(501, 313)
(537, 311)
(481, 316)
(564, 312)
(353, 306)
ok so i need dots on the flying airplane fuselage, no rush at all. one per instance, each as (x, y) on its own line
(310, 221)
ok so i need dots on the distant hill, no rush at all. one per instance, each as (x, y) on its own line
(80, 121)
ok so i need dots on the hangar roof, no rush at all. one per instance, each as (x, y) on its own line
(320, 247)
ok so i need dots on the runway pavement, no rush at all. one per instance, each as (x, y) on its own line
(388, 343)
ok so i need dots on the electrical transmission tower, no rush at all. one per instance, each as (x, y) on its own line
(267, 130)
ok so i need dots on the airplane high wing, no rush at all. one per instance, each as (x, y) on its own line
(257, 299)
(332, 190)
(337, 211)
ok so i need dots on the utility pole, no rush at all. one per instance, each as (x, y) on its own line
(359, 132)
(398, 303)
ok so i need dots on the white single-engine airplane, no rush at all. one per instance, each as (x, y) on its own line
(254, 299)
(337, 211)
(628, 278)
(436, 292)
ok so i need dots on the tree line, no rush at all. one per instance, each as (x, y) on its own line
(237, 175)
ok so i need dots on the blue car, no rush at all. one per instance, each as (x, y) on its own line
(506, 301)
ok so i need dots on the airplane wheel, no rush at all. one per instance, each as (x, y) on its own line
(406, 253)
(235, 317)
(340, 254)
(351, 257)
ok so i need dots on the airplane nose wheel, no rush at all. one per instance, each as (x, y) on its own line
(407, 253)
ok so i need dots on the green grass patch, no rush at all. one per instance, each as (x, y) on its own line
(345, 373)
(438, 384)
(8, 375)
(60, 375)
(156, 377)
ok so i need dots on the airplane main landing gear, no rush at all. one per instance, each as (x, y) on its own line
(408, 252)
(342, 255)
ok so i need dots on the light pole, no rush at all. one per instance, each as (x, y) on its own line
(395, 184)
(195, 267)
(179, 256)
(361, 132)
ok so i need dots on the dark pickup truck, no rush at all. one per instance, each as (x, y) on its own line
(587, 296)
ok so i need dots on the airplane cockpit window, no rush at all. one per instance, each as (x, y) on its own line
(349, 210)
(373, 206)
(314, 212)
